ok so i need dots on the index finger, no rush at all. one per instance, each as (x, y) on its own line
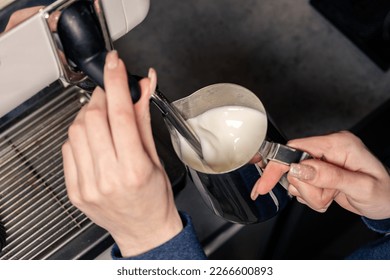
(271, 176)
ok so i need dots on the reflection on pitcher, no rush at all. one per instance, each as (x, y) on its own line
(228, 195)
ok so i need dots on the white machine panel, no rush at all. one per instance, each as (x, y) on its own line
(124, 15)
(28, 59)
(27, 63)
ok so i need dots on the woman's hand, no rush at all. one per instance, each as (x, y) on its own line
(344, 171)
(112, 171)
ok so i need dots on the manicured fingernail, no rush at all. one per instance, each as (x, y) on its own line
(302, 171)
(112, 60)
(152, 75)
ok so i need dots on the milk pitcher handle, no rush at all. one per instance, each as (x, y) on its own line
(281, 153)
(270, 151)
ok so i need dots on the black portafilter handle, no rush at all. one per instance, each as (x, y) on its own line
(83, 44)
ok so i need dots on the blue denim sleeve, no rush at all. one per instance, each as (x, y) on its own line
(184, 246)
(380, 226)
(378, 249)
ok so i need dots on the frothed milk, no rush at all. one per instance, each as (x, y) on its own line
(230, 136)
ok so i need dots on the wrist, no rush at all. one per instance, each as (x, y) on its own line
(149, 236)
(183, 246)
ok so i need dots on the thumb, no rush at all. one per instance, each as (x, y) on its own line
(324, 175)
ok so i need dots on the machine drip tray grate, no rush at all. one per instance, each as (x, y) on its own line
(38, 218)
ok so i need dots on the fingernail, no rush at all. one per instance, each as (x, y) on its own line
(300, 200)
(326, 207)
(302, 171)
(112, 60)
(254, 194)
(292, 190)
(153, 80)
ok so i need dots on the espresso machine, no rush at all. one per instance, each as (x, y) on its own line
(41, 91)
